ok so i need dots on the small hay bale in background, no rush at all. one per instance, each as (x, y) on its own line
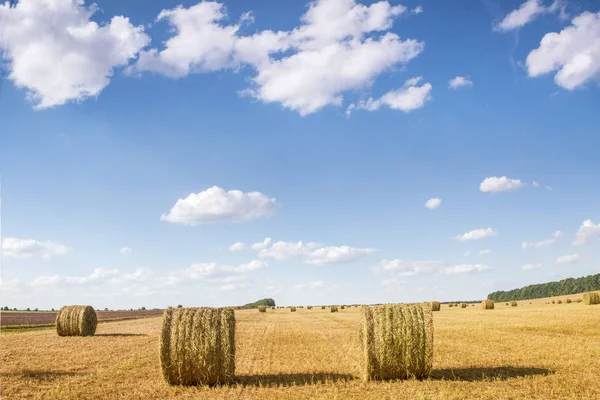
(262, 308)
(513, 303)
(342, 307)
(76, 321)
(553, 302)
(197, 346)
(396, 341)
(323, 307)
(568, 301)
(487, 304)
(293, 309)
(272, 307)
(334, 308)
(450, 305)
(591, 298)
(463, 305)
(506, 304)
(559, 301)
(309, 307)
(435, 306)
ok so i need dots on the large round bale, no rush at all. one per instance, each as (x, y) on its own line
(435, 306)
(463, 305)
(76, 321)
(334, 308)
(487, 304)
(197, 346)
(262, 309)
(514, 304)
(396, 341)
(591, 298)
(293, 309)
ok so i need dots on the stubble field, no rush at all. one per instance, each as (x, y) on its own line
(535, 351)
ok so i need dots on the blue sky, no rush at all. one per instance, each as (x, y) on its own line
(140, 142)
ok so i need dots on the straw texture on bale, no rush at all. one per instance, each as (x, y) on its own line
(487, 304)
(197, 346)
(463, 305)
(262, 308)
(334, 308)
(435, 306)
(513, 303)
(293, 309)
(396, 341)
(76, 321)
(591, 298)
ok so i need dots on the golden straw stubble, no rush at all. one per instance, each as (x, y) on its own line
(197, 346)
(396, 341)
(76, 321)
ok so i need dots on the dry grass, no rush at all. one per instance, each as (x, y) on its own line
(197, 346)
(76, 321)
(591, 298)
(487, 304)
(435, 306)
(397, 341)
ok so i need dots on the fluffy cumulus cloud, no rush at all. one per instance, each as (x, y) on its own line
(465, 269)
(568, 259)
(98, 275)
(500, 184)
(459, 81)
(530, 267)
(238, 246)
(28, 248)
(476, 234)
(285, 250)
(340, 45)
(214, 273)
(337, 255)
(407, 268)
(215, 204)
(409, 97)
(58, 54)
(574, 53)
(542, 243)
(587, 231)
(520, 17)
(434, 203)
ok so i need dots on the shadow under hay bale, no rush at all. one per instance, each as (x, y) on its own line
(477, 374)
(435, 306)
(591, 298)
(396, 341)
(76, 321)
(197, 346)
(487, 304)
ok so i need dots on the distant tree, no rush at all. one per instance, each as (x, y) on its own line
(557, 288)
(5, 308)
(28, 309)
(106, 309)
(35, 309)
(15, 309)
(179, 306)
(143, 308)
(53, 309)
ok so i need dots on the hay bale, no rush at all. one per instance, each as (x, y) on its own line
(463, 305)
(513, 303)
(591, 298)
(435, 306)
(506, 304)
(450, 305)
(487, 304)
(197, 346)
(272, 307)
(262, 308)
(334, 308)
(396, 341)
(568, 301)
(553, 302)
(559, 301)
(76, 321)
(342, 307)
(309, 307)
(293, 309)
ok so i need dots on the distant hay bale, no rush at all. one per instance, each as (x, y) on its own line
(272, 307)
(76, 321)
(463, 305)
(197, 346)
(506, 304)
(323, 307)
(396, 341)
(513, 303)
(450, 305)
(553, 302)
(435, 306)
(342, 307)
(309, 307)
(591, 298)
(334, 308)
(487, 304)
(568, 301)
(559, 301)
(293, 309)
(262, 308)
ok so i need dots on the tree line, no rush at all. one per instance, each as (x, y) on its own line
(558, 288)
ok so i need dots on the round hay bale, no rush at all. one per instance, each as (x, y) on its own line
(309, 307)
(451, 305)
(396, 341)
(487, 304)
(591, 298)
(262, 308)
(513, 304)
(559, 301)
(197, 346)
(568, 301)
(293, 309)
(553, 302)
(435, 306)
(334, 308)
(463, 305)
(76, 321)
(342, 307)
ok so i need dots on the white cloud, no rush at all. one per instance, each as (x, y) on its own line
(486, 251)
(476, 234)
(529, 267)
(28, 248)
(312, 285)
(140, 275)
(557, 234)
(213, 273)
(253, 265)
(434, 203)
(574, 52)
(238, 246)
(407, 268)
(500, 184)
(58, 54)
(408, 98)
(460, 81)
(304, 69)
(535, 184)
(569, 259)
(520, 17)
(98, 275)
(417, 10)
(542, 243)
(215, 204)
(262, 245)
(337, 255)
(285, 250)
(393, 282)
(465, 269)
(586, 231)
(126, 251)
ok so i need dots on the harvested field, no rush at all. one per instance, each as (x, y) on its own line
(8, 319)
(531, 352)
